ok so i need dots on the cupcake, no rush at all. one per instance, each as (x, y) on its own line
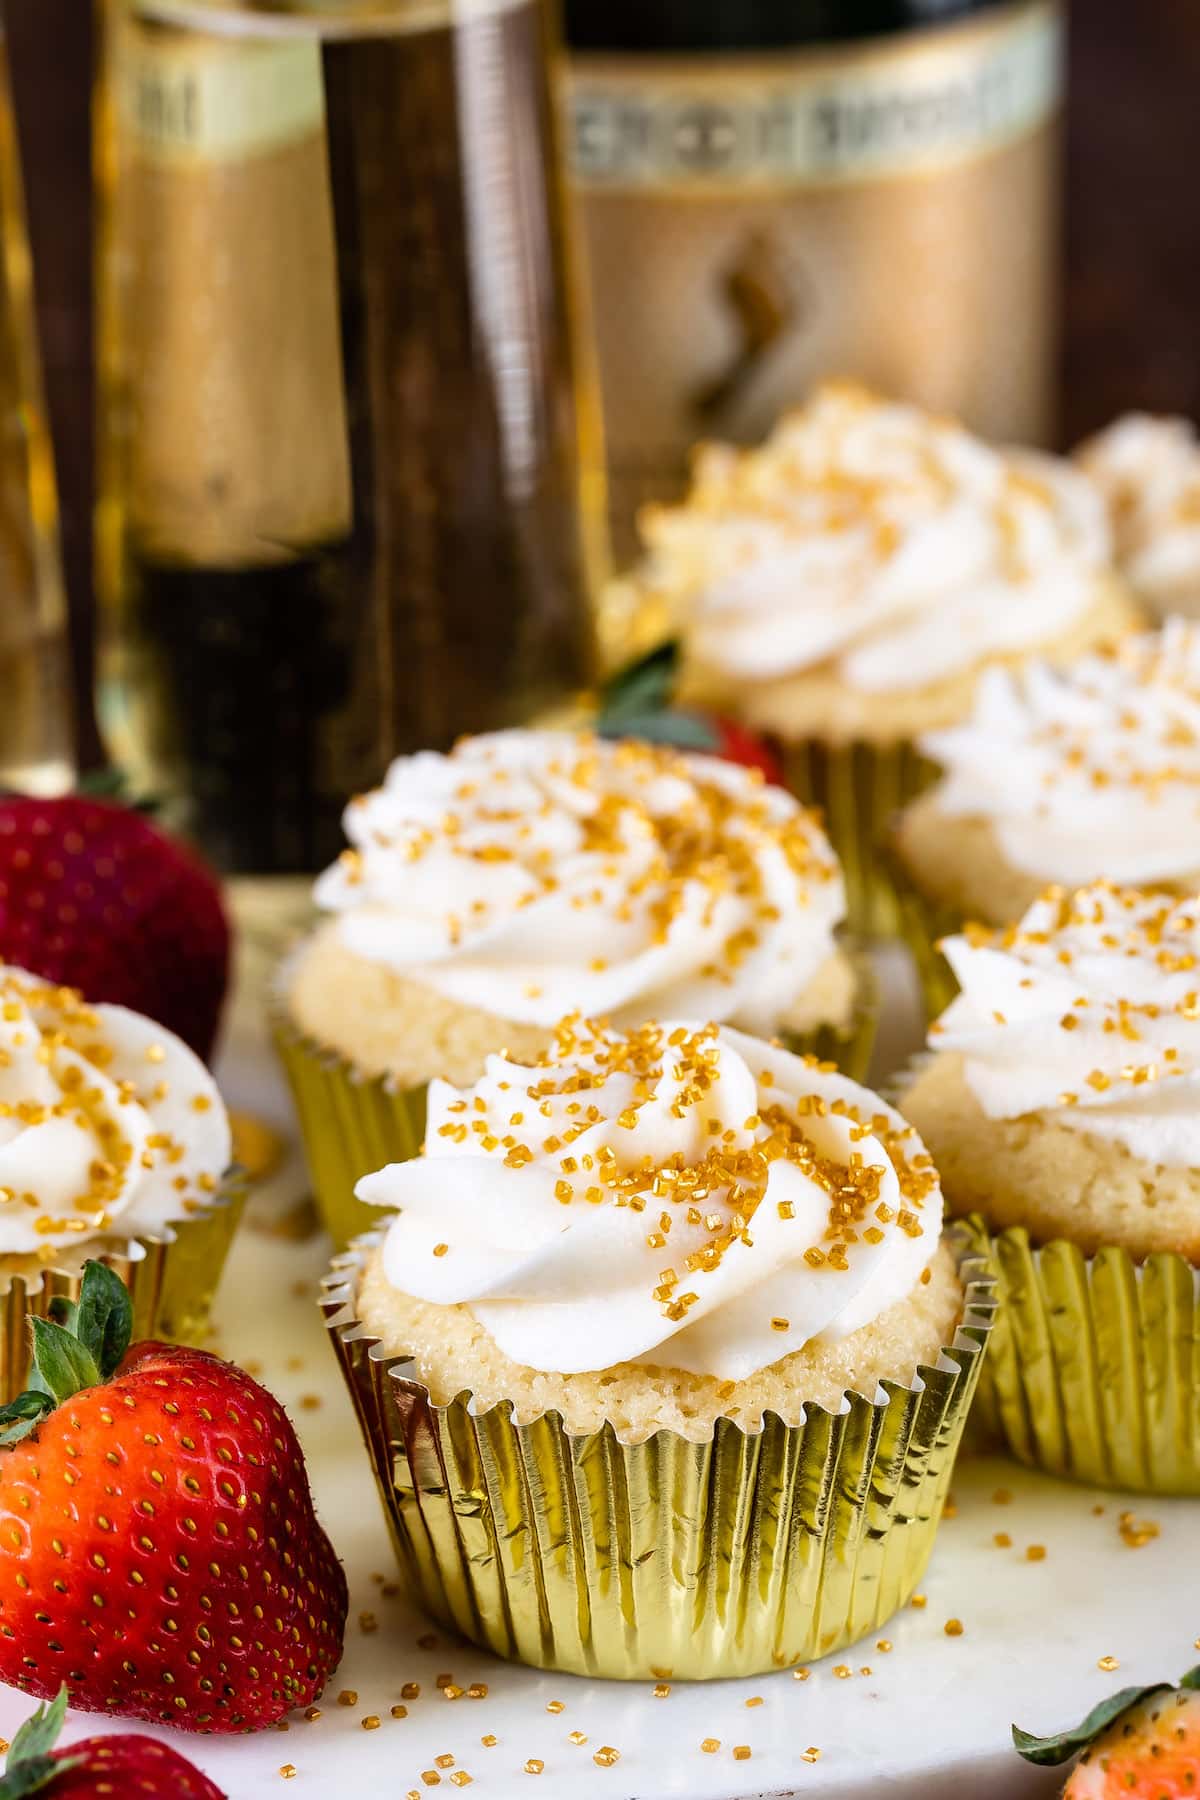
(1148, 472)
(660, 1357)
(844, 587)
(1059, 776)
(114, 1144)
(529, 874)
(1062, 1106)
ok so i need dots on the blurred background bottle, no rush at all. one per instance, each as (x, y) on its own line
(350, 499)
(776, 190)
(36, 725)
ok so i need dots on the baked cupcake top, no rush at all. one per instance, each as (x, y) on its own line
(535, 873)
(1148, 471)
(679, 1195)
(877, 541)
(1087, 1013)
(1089, 770)
(108, 1123)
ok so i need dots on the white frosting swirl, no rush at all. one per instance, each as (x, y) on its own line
(681, 1196)
(1088, 1012)
(878, 542)
(1090, 770)
(536, 873)
(1148, 471)
(109, 1125)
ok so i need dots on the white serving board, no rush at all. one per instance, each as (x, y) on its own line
(930, 1721)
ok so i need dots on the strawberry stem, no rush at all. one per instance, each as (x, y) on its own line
(79, 1346)
(1059, 1748)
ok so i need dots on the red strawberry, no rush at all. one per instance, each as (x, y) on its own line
(159, 1552)
(1139, 1744)
(93, 896)
(96, 1766)
(738, 745)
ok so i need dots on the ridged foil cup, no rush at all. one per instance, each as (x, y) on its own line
(922, 922)
(662, 1560)
(352, 1124)
(1094, 1372)
(171, 1275)
(1094, 1369)
(860, 787)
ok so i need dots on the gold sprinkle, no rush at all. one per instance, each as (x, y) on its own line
(348, 1697)
(534, 1765)
(780, 1324)
(606, 1756)
(843, 1671)
(478, 1690)
(313, 1713)
(953, 1628)
(883, 1645)
(918, 1600)
(410, 1691)
(440, 1249)
(555, 1706)
(801, 1674)
(742, 1753)
(1136, 1532)
(755, 1700)
(1002, 1541)
(710, 1746)
(1035, 1553)
(1108, 1664)
(489, 1741)
(1002, 1497)
(445, 1760)
(811, 1755)
(288, 1771)
(576, 1737)
(431, 1778)
(399, 1712)
(662, 1689)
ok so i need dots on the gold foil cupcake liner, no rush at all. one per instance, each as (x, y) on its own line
(1094, 1372)
(922, 923)
(1094, 1368)
(664, 1559)
(350, 1124)
(171, 1275)
(353, 1124)
(860, 787)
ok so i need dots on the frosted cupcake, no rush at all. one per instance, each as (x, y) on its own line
(114, 1144)
(641, 1300)
(529, 874)
(844, 587)
(1062, 1104)
(1061, 776)
(1148, 472)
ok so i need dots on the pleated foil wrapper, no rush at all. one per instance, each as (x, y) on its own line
(666, 1559)
(859, 788)
(1094, 1369)
(171, 1275)
(922, 922)
(1094, 1372)
(352, 1124)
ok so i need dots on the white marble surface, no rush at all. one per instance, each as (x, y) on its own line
(929, 1721)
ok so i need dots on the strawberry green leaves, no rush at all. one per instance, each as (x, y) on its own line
(79, 1346)
(1048, 1752)
(30, 1764)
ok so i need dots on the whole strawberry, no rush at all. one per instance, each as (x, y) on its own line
(638, 702)
(96, 1767)
(1139, 1744)
(93, 896)
(159, 1552)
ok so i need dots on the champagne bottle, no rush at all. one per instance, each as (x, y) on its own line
(345, 507)
(778, 190)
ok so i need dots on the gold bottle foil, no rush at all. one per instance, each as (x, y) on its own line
(1094, 1372)
(859, 788)
(171, 1276)
(352, 1124)
(665, 1559)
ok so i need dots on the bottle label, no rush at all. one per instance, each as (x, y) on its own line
(755, 221)
(194, 102)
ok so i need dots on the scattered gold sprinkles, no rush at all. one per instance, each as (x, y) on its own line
(1107, 1664)
(953, 1628)
(1135, 1532)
